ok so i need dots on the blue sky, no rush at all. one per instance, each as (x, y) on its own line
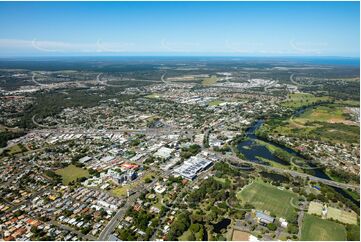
(180, 28)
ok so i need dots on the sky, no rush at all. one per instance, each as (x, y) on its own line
(180, 28)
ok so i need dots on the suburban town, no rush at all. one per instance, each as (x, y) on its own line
(179, 121)
(181, 157)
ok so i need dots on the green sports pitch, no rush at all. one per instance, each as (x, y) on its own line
(315, 228)
(264, 196)
(71, 173)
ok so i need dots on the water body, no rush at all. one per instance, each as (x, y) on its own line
(221, 225)
(252, 151)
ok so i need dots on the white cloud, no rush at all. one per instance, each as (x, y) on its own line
(179, 46)
(57, 46)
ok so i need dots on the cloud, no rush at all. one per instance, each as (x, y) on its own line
(179, 46)
(243, 47)
(113, 46)
(308, 47)
(58, 46)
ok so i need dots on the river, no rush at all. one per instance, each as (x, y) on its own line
(254, 152)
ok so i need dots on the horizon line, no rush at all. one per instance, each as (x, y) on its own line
(160, 55)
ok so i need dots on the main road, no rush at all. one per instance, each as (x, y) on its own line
(113, 223)
(149, 131)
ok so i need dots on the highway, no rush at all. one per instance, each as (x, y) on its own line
(163, 80)
(36, 82)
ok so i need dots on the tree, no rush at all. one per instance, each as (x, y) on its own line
(271, 226)
(292, 229)
(195, 228)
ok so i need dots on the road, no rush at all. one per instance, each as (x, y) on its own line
(36, 82)
(163, 80)
(292, 173)
(148, 131)
(66, 227)
(113, 223)
(186, 188)
(299, 84)
(98, 77)
(301, 214)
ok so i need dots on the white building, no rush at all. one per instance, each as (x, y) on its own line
(164, 153)
(192, 166)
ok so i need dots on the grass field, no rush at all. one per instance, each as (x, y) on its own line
(209, 81)
(349, 103)
(17, 149)
(315, 228)
(71, 173)
(329, 114)
(315, 208)
(297, 100)
(333, 213)
(325, 122)
(215, 103)
(264, 196)
(153, 96)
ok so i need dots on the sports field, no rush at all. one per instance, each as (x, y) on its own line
(71, 173)
(264, 196)
(238, 235)
(215, 103)
(333, 213)
(153, 96)
(315, 228)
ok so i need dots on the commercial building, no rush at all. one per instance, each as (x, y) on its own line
(264, 218)
(164, 153)
(192, 166)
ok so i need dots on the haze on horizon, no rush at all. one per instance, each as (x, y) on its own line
(180, 28)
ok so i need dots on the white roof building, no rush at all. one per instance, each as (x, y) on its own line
(164, 153)
(192, 166)
(85, 159)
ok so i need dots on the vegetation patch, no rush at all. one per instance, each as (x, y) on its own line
(210, 81)
(328, 123)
